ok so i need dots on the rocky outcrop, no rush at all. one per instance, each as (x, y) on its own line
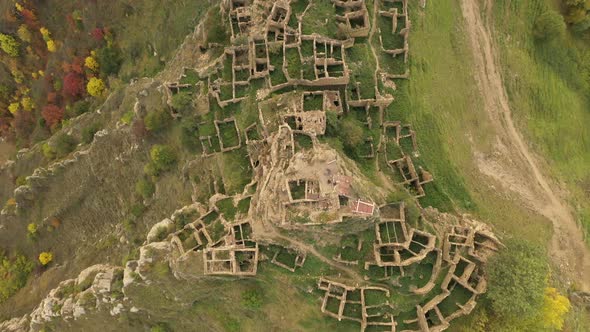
(98, 287)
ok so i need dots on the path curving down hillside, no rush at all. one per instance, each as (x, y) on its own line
(568, 249)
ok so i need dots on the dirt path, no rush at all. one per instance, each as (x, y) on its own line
(568, 249)
(311, 250)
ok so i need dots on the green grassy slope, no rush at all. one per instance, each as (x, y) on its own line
(442, 103)
(549, 95)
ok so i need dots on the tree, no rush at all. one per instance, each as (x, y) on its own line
(73, 84)
(51, 46)
(52, 114)
(9, 45)
(549, 26)
(13, 108)
(91, 63)
(555, 306)
(24, 33)
(517, 278)
(32, 231)
(32, 228)
(45, 33)
(95, 87)
(27, 104)
(163, 157)
(45, 258)
(109, 60)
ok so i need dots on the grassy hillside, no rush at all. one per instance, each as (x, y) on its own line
(548, 88)
(442, 103)
(548, 99)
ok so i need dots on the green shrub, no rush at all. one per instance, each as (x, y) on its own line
(216, 29)
(161, 327)
(64, 144)
(48, 151)
(162, 157)
(88, 133)
(157, 120)
(252, 299)
(517, 279)
(127, 117)
(15, 273)
(549, 26)
(78, 108)
(351, 134)
(189, 135)
(21, 181)
(182, 101)
(232, 325)
(145, 188)
(137, 210)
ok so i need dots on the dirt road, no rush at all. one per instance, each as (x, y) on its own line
(568, 249)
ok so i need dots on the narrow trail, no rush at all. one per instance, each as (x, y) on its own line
(311, 250)
(568, 249)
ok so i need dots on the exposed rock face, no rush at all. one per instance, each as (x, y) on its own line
(581, 298)
(98, 287)
(165, 226)
(18, 324)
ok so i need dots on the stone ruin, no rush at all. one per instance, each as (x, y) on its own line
(465, 248)
(354, 17)
(399, 143)
(396, 13)
(346, 302)
(312, 186)
(396, 245)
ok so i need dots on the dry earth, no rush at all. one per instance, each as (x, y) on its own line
(512, 164)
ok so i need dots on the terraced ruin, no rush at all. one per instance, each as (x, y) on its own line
(276, 96)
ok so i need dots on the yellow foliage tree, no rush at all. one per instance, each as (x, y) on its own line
(24, 33)
(91, 63)
(19, 7)
(45, 33)
(51, 47)
(45, 258)
(27, 104)
(32, 228)
(13, 108)
(555, 306)
(95, 87)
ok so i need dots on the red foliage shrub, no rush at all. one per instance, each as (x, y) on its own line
(29, 17)
(71, 21)
(97, 34)
(52, 98)
(23, 124)
(5, 122)
(73, 84)
(52, 114)
(138, 128)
